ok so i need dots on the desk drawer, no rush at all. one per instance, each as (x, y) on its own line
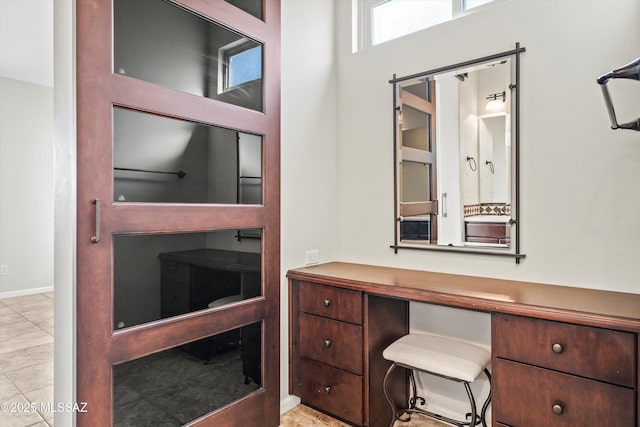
(174, 298)
(334, 303)
(596, 353)
(332, 342)
(332, 390)
(528, 394)
(175, 271)
(488, 230)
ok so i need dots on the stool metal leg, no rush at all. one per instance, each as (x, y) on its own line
(485, 406)
(473, 418)
(395, 413)
(414, 395)
(386, 394)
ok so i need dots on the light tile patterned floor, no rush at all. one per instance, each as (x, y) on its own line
(303, 416)
(26, 360)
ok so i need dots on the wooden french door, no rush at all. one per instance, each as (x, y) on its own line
(170, 261)
(416, 140)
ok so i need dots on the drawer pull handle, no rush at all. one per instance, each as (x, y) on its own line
(326, 302)
(557, 348)
(557, 409)
(327, 389)
(327, 343)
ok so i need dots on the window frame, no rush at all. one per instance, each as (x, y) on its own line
(225, 53)
(363, 10)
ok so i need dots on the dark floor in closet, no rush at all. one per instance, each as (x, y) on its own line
(173, 387)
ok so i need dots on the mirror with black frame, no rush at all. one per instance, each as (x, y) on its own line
(456, 157)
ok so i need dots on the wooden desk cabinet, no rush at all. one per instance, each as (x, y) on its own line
(487, 232)
(190, 280)
(561, 374)
(560, 356)
(338, 365)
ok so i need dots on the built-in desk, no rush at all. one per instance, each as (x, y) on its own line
(561, 356)
(191, 280)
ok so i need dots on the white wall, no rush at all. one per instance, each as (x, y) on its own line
(450, 179)
(308, 171)
(468, 111)
(64, 155)
(579, 197)
(579, 177)
(26, 187)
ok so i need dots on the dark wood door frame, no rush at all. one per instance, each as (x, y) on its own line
(98, 91)
(431, 206)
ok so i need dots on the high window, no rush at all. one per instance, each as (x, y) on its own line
(239, 62)
(384, 20)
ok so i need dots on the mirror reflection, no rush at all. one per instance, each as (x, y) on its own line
(454, 157)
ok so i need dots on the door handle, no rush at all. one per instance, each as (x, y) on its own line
(444, 205)
(96, 237)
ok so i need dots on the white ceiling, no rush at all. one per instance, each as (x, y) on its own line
(26, 40)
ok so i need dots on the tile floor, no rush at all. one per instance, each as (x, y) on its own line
(303, 416)
(26, 369)
(26, 360)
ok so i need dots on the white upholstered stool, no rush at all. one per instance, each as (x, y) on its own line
(229, 339)
(224, 301)
(445, 357)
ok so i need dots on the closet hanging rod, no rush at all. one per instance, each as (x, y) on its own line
(180, 174)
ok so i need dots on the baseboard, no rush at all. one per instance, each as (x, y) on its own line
(288, 403)
(23, 292)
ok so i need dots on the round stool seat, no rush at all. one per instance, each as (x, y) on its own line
(225, 300)
(439, 355)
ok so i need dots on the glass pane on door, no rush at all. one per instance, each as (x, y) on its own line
(156, 276)
(162, 43)
(254, 7)
(163, 160)
(415, 179)
(416, 228)
(179, 385)
(416, 129)
(419, 88)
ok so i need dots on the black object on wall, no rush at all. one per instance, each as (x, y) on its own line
(628, 71)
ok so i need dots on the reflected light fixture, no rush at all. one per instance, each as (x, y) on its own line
(496, 101)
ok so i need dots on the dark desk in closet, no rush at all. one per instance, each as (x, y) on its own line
(192, 279)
